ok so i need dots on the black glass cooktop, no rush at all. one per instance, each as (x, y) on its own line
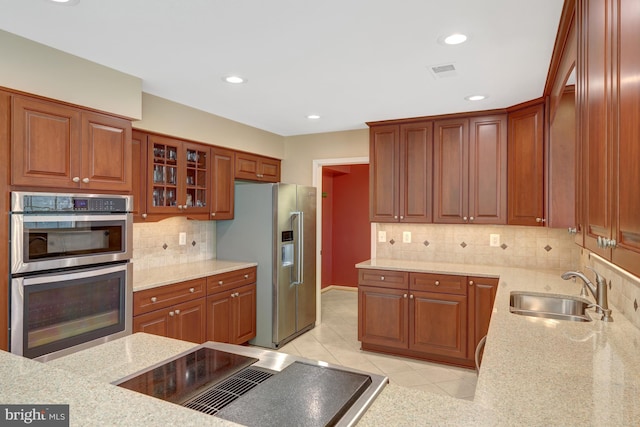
(181, 378)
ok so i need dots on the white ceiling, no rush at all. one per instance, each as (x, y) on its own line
(350, 61)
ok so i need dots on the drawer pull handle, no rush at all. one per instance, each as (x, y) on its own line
(437, 283)
(154, 299)
(220, 282)
(177, 311)
(192, 290)
(381, 277)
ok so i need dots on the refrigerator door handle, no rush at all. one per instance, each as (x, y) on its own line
(299, 262)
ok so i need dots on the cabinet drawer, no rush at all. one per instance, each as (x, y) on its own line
(383, 278)
(165, 296)
(444, 283)
(225, 281)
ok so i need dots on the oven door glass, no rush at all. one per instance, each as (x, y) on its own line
(54, 312)
(44, 242)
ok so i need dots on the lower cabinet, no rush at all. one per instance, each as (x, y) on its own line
(427, 316)
(219, 308)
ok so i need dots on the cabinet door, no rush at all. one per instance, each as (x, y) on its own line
(190, 319)
(243, 315)
(219, 310)
(256, 168)
(482, 294)
(222, 187)
(627, 173)
(488, 170)
(164, 174)
(416, 172)
(106, 153)
(451, 171)
(383, 317)
(155, 322)
(384, 152)
(438, 324)
(526, 166)
(269, 170)
(45, 148)
(139, 172)
(596, 137)
(193, 193)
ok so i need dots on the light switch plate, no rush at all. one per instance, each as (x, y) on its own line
(182, 238)
(494, 240)
(406, 237)
(382, 236)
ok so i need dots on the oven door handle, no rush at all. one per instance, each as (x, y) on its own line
(73, 275)
(71, 217)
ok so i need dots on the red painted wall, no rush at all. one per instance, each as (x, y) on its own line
(347, 202)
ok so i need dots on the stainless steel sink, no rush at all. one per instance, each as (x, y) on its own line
(550, 306)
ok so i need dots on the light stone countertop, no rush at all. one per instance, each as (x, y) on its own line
(166, 275)
(542, 372)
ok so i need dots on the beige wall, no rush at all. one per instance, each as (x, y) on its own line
(302, 150)
(164, 116)
(38, 69)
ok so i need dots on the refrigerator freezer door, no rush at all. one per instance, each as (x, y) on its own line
(306, 203)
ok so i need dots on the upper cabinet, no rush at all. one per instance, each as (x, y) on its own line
(609, 96)
(401, 158)
(59, 146)
(222, 195)
(256, 168)
(526, 166)
(470, 170)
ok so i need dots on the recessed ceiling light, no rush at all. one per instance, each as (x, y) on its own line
(475, 97)
(234, 79)
(66, 2)
(456, 38)
(313, 116)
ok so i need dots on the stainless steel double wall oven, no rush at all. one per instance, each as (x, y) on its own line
(71, 275)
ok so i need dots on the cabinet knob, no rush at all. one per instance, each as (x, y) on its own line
(470, 282)
(180, 207)
(401, 216)
(213, 214)
(85, 180)
(411, 296)
(437, 283)
(171, 313)
(177, 311)
(246, 276)
(471, 218)
(541, 220)
(144, 216)
(572, 230)
(192, 290)
(75, 179)
(395, 217)
(404, 296)
(154, 299)
(464, 218)
(382, 278)
(220, 282)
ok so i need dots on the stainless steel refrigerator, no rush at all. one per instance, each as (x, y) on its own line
(275, 226)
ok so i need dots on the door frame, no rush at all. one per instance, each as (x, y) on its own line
(318, 164)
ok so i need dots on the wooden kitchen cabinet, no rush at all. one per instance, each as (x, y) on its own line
(58, 146)
(256, 168)
(482, 295)
(383, 318)
(526, 166)
(470, 170)
(139, 167)
(401, 158)
(608, 102)
(175, 311)
(178, 180)
(231, 306)
(222, 186)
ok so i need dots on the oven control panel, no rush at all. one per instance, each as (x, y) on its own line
(53, 202)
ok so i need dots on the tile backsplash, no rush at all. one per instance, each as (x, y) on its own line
(530, 247)
(156, 243)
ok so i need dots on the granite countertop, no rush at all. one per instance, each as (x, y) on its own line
(166, 275)
(535, 372)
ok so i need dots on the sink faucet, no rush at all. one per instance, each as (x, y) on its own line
(599, 291)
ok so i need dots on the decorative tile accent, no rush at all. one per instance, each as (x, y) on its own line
(193, 243)
(426, 243)
(635, 304)
(463, 244)
(504, 246)
(165, 246)
(547, 248)
(392, 241)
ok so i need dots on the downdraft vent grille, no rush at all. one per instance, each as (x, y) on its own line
(220, 395)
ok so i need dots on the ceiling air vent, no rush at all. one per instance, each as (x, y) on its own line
(444, 70)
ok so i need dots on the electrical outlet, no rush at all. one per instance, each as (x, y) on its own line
(182, 238)
(382, 236)
(406, 237)
(494, 240)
